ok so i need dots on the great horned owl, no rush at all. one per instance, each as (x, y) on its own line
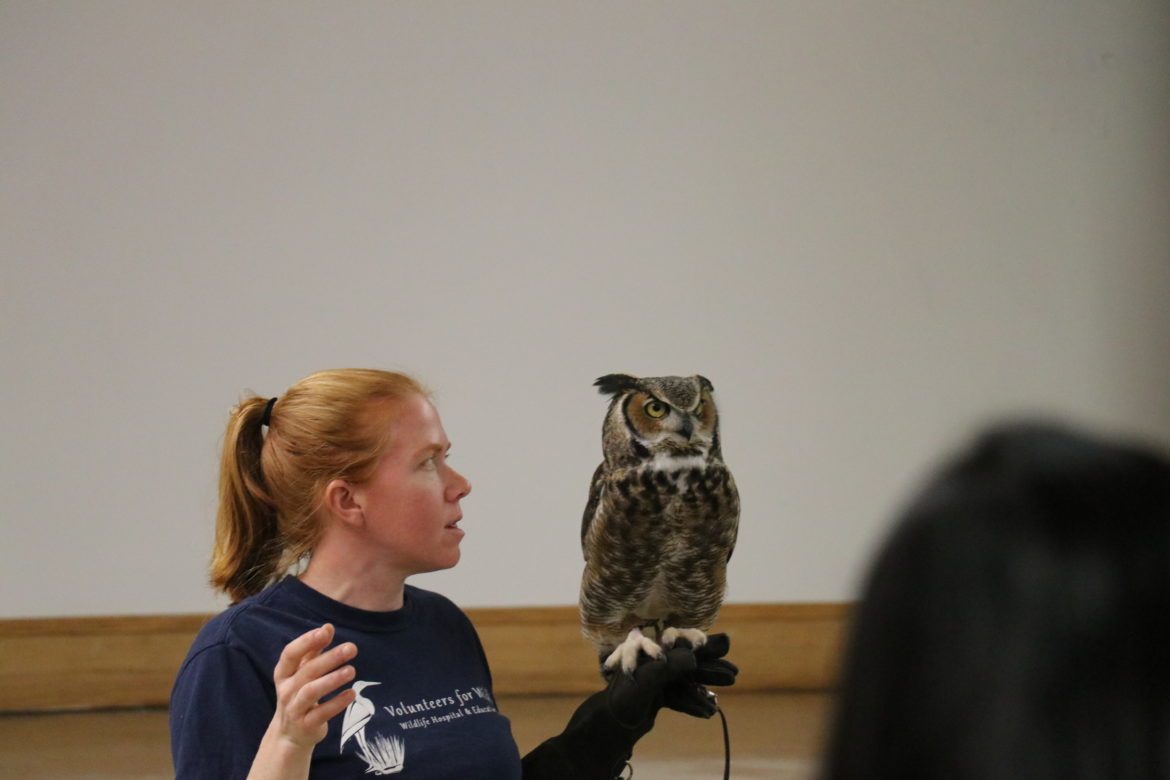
(661, 520)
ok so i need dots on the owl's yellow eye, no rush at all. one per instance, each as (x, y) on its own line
(699, 409)
(654, 409)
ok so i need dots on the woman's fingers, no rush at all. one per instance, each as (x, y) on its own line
(305, 674)
(304, 660)
(318, 716)
(311, 692)
(324, 663)
(305, 647)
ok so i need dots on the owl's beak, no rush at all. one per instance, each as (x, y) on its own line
(686, 429)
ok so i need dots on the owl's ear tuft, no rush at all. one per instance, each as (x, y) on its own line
(613, 384)
(705, 383)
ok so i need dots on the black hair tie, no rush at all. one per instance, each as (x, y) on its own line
(267, 418)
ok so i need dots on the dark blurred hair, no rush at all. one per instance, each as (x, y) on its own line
(1015, 623)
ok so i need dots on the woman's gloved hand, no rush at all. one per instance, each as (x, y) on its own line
(688, 694)
(634, 699)
(601, 734)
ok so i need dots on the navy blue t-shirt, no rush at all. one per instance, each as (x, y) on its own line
(424, 709)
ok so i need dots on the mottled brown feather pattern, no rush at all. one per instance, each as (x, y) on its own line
(662, 516)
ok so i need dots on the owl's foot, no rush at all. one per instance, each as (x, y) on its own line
(693, 637)
(626, 654)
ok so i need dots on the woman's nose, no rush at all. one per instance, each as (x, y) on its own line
(460, 487)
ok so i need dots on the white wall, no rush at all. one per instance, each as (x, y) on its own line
(872, 225)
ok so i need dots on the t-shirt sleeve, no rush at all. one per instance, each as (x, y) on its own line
(221, 706)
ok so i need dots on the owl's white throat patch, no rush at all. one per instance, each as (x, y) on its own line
(664, 461)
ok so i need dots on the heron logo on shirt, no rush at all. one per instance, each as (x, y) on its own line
(383, 755)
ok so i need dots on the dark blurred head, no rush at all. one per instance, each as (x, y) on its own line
(1014, 624)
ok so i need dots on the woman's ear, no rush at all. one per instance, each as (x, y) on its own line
(342, 502)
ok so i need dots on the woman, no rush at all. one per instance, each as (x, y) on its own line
(352, 473)
(1014, 624)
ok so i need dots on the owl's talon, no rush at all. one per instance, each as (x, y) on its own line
(626, 654)
(693, 637)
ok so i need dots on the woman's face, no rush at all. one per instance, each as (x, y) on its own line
(411, 504)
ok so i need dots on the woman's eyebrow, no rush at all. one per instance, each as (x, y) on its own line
(435, 448)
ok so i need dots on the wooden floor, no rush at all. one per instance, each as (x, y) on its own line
(773, 735)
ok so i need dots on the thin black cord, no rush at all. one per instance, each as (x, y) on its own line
(726, 745)
(726, 750)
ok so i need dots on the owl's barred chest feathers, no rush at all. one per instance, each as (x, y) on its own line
(651, 521)
(663, 511)
(661, 501)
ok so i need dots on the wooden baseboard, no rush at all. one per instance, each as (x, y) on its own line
(90, 663)
(109, 662)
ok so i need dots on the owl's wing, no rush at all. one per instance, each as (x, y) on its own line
(733, 496)
(591, 505)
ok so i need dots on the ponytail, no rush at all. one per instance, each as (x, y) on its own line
(247, 536)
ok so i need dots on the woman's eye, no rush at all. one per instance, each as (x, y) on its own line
(434, 460)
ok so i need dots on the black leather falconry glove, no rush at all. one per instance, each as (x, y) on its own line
(688, 694)
(600, 735)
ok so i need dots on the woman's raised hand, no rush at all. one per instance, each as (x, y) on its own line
(305, 674)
